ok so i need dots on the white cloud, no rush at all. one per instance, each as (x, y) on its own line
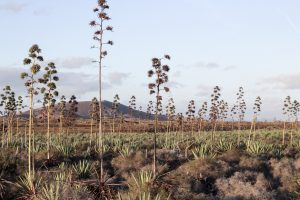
(117, 78)
(209, 65)
(213, 65)
(75, 62)
(79, 84)
(230, 67)
(174, 84)
(204, 90)
(285, 81)
(12, 7)
(177, 74)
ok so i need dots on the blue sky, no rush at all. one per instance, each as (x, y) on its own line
(254, 44)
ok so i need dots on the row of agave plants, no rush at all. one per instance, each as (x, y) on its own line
(72, 174)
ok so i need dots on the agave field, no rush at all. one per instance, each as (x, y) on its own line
(49, 152)
(189, 165)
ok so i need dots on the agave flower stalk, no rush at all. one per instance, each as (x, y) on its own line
(223, 112)
(115, 106)
(132, 108)
(214, 111)
(20, 107)
(49, 91)
(71, 112)
(62, 109)
(256, 111)
(180, 124)
(285, 110)
(140, 112)
(294, 111)
(10, 106)
(202, 115)
(3, 113)
(170, 111)
(33, 60)
(191, 115)
(99, 24)
(241, 109)
(160, 74)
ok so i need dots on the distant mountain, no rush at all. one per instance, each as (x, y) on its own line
(84, 106)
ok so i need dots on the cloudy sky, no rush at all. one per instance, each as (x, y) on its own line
(254, 44)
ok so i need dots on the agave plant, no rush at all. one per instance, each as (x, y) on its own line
(258, 148)
(223, 146)
(105, 148)
(51, 191)
(142, 178)
(82, 169)
(38, 147)
(29, 186)
(169, 144)
(125, 151)
(65, 150)
(278, 151)
(202, 151)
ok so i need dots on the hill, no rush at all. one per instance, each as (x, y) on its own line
(84, 107)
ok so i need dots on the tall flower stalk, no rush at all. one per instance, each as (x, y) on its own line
(286, 112)
(10, 106)
(20, 107)
(62, 109)
(33, 60)
(256, 111)
(202, 115)
(191, 115)
(160, 74)
(114, 108)
(170, 111)
(50, 93)
(131, 109)
(99, 24)
(214, 111)
(241, 109)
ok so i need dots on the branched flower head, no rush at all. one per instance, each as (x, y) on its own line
(257, 105)
(241, 104)
(49, 81)
(160, 74)
(94, 109)
(214, 109)
(33, 59)
(170, 109)
(223, 107)
(191, 110)
(115, 104)
(132, 104)
(202, 111)
(150, 109)
(102, 16)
